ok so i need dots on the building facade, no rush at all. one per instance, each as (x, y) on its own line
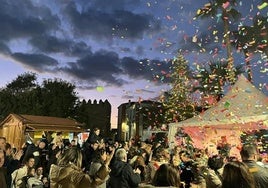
(136, 117)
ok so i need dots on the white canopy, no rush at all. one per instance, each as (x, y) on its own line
(243, 107)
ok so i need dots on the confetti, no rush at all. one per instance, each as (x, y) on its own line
(99, 88)
(263, 5)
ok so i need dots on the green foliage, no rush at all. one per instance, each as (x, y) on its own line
(178, 105)
(59, 98)
(212, 78)
(52, 98)
(223, 10)
(24, 96)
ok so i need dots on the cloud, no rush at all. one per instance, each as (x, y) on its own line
(145, 68)
(102, 65)
(38, 62)
(95, 22)
(4, 49)
(107, 67)
(52, 44)
(22, 19)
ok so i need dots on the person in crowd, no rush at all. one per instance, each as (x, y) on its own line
(249, 155)
(200, 160)
(18, 174)
(45, 181)
(39, 172)
(3, 174)
(213, 174)
(36, 150)
(94, 136)
(186, 166)
(236, 174)
(99, 160)
(73, 143)
(166, 176)
(2, 143)
(31, 181)
(57, 138)
(138, 161)
(54, 151)
(68, 173)
(90, 153)
(175, 159)
(160, 156)
(122, 174)
(12, 161)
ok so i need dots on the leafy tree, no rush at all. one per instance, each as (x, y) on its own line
(223, 9)
(212, 79)
(250, 39)
(59, 98)
(17, 96)
(24, 82)
(178, 105)
(24, 96)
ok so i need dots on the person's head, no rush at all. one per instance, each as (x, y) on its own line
(2, 143)
(29, 161)
(185, 156)
(2, 158)
(101, 155)
(42, 144)
(8, 149)
(71, 155)
(97, 131)
(176, 150)
(161, 154)
(121, 155)
(237, 173)
(215, 162)
(45, 180)
(31, 171)
(249, 152)
(73, 143)
(59, 134)
(39, 171)
(166, 175)
(94, 145)
(175, 160)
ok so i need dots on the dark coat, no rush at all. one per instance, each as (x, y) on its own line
(93, 138)
(260, 173)
(122, 175)
(11, 165)
(3, 176)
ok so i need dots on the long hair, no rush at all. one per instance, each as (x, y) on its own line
(237, 173)
(166, 175)
(71, 155)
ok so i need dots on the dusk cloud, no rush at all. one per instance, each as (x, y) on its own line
(38, 62)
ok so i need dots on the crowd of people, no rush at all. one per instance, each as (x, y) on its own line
(105, 163)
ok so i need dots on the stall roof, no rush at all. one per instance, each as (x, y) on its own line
(48, 123)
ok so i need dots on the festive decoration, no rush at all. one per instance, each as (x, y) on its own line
(178, 103)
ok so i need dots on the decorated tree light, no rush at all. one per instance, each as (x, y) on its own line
(178, 104)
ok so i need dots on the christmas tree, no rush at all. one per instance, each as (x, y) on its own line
(178, 104)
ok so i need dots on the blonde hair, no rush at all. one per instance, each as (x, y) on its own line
(121, 154)
(71, 155)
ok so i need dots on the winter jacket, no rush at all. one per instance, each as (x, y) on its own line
(3, 183)
(213, 179)
(71, 176)
(17, 176)
(123, 176)
(260, 174)
(94, 168)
